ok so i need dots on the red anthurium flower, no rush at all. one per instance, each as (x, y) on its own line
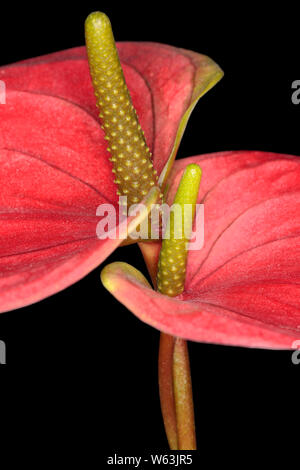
(55, 169)
(243, 287)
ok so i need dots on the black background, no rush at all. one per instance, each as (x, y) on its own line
(83, 363)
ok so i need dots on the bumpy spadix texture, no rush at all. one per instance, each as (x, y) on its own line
(173, 254)
(131, 157)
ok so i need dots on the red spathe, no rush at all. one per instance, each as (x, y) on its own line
(243, 287)
(54, 169)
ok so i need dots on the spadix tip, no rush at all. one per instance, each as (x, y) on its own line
(97, 19)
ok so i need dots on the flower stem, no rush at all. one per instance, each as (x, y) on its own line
(176, 396)
(166, 392)
(183, 395)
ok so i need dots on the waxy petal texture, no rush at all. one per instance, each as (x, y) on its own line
(55, 168)
(49, 197)
(243, 287)
(164, 82)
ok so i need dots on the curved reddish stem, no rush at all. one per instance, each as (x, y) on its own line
(166, 393)
(175, 389)
(183, 396)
